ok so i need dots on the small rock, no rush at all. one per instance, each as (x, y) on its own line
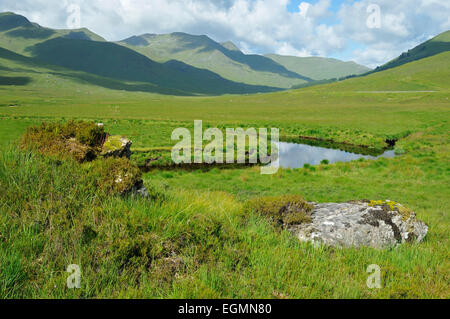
(116, 146)
(361, 224)
(139, 189)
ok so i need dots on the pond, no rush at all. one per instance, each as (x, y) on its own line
(294, 155)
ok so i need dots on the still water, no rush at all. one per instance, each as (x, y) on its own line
(293, 155)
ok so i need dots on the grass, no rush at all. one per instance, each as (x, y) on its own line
(167, 249)
(193, 238)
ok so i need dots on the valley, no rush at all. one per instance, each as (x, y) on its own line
(193, 237)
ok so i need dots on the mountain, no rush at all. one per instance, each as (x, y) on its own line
(230, 46)
(20, 70)
(428, 74)
(82, 50)
(17, 33)
(114, 61)
(436, 45)
(226, 60)
(318, 68)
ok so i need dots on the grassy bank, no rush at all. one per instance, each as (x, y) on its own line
(189, 244)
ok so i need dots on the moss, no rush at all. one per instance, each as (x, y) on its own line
(112, 143)
(88, 133)
(389, 205)
(114, 175)
(78, 140)
(137, 252)
(282, 210)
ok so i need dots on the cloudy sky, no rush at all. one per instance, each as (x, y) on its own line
(344, 29)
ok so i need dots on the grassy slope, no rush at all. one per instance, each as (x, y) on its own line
(20, 70)
(436, 45)
(199, 242)
(431, 73)
(318, 68)
(17, 33)
(115, 61)
(202, 52)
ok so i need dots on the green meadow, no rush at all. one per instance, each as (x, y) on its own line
(192, 239)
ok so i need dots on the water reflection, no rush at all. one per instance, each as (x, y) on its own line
(292, 155)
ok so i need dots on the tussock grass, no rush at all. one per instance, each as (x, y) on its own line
(189, 244)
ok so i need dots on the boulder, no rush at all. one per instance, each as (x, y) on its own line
(377, 224)
(116, 146)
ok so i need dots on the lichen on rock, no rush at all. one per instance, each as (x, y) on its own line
(116, 146)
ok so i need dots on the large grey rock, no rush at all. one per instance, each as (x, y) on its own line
(361, 224)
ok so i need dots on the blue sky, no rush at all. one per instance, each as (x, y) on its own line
(329, 28)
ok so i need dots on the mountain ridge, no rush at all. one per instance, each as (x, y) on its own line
(319, 68)
(79, 50)
(203, 52)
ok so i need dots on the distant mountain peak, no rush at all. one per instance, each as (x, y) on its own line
(135, 40)
(230, 46)
(9, 20)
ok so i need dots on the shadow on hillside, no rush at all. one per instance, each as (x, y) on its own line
(31, 33)
(255, 62)
(118, 85)
(123, 65)
(19, 80)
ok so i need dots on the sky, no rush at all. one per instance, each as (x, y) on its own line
(369, 32)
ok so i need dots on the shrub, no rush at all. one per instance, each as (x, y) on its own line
(79, 140)
(114, 175)
(87, 133)
(282, 210)
(325, 162)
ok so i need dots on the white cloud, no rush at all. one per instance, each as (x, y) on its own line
(287, 49)
(303, 7)
(258, 25)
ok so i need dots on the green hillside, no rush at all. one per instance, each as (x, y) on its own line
(82, 50)
(318, 68)
(226, 60)
(428, 74)
(436, 45)
(230, 46)
(20, 71)
(17, 33)
(118, 62)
